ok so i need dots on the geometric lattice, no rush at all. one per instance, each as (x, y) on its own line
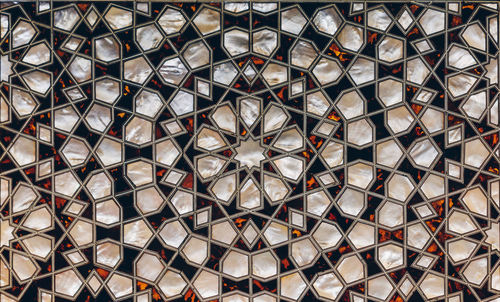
(155, 151)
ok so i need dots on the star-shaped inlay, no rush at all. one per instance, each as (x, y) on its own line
(250, 153)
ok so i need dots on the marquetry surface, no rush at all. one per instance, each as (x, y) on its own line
(249, 152)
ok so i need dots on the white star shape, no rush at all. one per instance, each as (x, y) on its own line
(250, 153)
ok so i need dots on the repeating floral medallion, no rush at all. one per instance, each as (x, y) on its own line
(249, 151)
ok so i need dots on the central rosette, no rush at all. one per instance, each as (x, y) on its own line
(250, 153)
(253, 157)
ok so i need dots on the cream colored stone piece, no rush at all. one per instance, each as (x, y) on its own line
(264, 265)
(23, 151)
(390, 49)
(149, 266)
(390, 256)
(276, 233)
(250, 195)
(424, 153)
(432, 21)
(109, 152)
(327, 71)
(317, 203)
(226, 72)
(417, 236)
(225, 118)
(36, 245)
(139, 131)
(98, 117)
(351, 37)
(108, 253)
(149, 200)
(223, 232)
(136, 70)
(461, 223)
(209, 166)
(303, 252)
(292, 21)
(475, 153)
(359, 132)
(388, 153)
(327, 20)
(475, 36)
(207, 21)
(351, 105)
(136, 233)
(303, 54)
(107, 90)
(360, 175)
(118, 18)
(39, 219)
(171, 284)
(460, 84)
(327, 235)
(351, 201)
(328, 286)
(23, 266)
(380, 287)
(148, 103)
(173, 233)
(99, 185)
(82, 232)
(399, 187)
(107, 49)
(378, 19)
(292, 286)
(362, 71)
(236, 41)
(207, 284)
(224, 187)
(183, 202)
(362, 235)
(390, 92)
(235, 264)
(433, 286)
(66, 184)
(67, 283)
(391, 214)
(275, 74)
(317, 103)
(476, 201)
(351, 269)
(148, 37)
(399, 119)
(140, 172)
(120, 286)
(167, 152)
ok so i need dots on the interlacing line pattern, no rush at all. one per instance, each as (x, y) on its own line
(281, 151)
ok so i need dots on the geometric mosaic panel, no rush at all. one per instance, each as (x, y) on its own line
(248, 151)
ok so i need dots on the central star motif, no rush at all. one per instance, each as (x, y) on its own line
(250, 153)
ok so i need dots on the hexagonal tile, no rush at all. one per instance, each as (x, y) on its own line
(236, 41)
(140, 172)
(303, 252)
(108, 253)
(235, 264)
